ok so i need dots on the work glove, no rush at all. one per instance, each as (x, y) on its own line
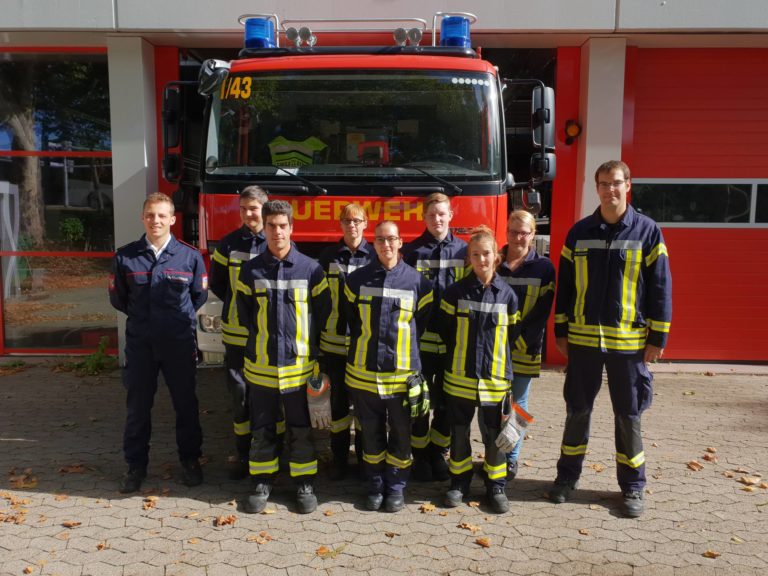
(319, 401)
(514, 423)
(418, 395)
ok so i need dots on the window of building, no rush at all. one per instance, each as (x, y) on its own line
(705, 203)
(56, 236)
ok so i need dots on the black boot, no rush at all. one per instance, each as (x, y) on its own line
(305, 497)
(131, 481)
(192, 474)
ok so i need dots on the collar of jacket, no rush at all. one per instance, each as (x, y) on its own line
(364, 247)
(247, 233)
(170, 249)
(268, 258)
(496, 282)
(378, 267)
(427, 239)
(627, 220)
(530, 257)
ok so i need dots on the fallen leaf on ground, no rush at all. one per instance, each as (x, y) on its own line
(594, 507)
(484, 542)
(62, 536)
(269, 511)
(225, 520)
(737, 540)
(22, 482)
(71, 523)
(763, 485)
(749, 480)
(28, 570)
(583, 531)
(17, 518)
(695, 465)
(261, 538)
(709, 373)
(711, 554)
(728, 474)
(748, 488)
(101, 545)
(711, 449)
(391, 534)
(473, 504)
(597, 467)
(193, 540)
(467, 526)
(710, 458)
(325, 552)
(328, 513)
(72, 469)
(527, 464)
(741, 470)
(149, 504)
(444, 513)
(689, 393)
(655, 445)
(60, 497)
(427, 507)
(192, 515)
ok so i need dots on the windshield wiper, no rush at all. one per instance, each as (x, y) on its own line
(450, 185)
(316, 187)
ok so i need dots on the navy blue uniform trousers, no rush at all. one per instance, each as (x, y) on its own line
(177, 360)
(629, 384)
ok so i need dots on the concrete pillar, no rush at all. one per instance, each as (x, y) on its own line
(601, 108)
(134, 149)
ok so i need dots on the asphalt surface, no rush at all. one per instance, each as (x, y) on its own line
(60, 461)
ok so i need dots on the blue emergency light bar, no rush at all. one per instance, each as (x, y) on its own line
(259, 33)
(454, 31)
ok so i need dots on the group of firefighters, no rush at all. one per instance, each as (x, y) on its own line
(416, 338)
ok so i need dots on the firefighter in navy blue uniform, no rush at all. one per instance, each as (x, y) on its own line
(386, 306)
(339, 260)
(532, 278)
(238, 246)
(613, 309)
(159, 282)
(441, 258)
(477, 319)
(284, 299)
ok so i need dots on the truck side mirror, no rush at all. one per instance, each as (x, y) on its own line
(212, 74)
(171, 117)
(543, 118)
(543, 166)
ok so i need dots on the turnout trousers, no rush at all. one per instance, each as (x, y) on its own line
(460, 412)
(268, 406)
(426, 437)
(177, 360)
(386, 458)
(629, 384)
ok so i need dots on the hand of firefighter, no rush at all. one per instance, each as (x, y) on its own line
(418, 395)
(319, 401)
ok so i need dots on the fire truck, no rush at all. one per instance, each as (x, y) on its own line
(381, 112)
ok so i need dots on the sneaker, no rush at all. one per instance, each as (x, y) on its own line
(257, 501)
(192, 474)
(394, 502)
(454, 497)
(131, 481)
(373, 501)
(498, 500)
(305, 497)
(421, 470)
(561, 491)
(511, 469)
(634, 503)
(439, 466)
(239, 470)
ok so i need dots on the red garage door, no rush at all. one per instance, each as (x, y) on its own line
(697, 142)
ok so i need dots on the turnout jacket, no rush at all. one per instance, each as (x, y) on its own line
(160, 296)
(238, 246)
(478, 326)
(386, 311)
(442, 263)
(533, 282)
(283, 303)
(615, 289)
(338, 261)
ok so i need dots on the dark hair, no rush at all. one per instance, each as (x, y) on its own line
(277, 208)
(610, 166)
(254, 193)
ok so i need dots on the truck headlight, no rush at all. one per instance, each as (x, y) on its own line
(209, 323)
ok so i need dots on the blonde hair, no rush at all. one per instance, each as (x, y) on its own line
(524, 217)
(157, 198)
(436, 198)
(484, 233)
(353, 210)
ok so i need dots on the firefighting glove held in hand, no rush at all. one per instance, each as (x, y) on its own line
(319, 401)
(418, 395)
(515, 422)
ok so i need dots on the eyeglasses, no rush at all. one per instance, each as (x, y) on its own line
(355, 221)
(608, 185)
(518, 233)
(387, 239)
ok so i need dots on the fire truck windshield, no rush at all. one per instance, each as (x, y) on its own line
(355, 126)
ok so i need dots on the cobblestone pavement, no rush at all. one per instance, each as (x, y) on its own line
(60, 459)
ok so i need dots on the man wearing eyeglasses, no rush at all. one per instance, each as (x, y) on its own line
(386, 305)
(613, 310)
(339, 260)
